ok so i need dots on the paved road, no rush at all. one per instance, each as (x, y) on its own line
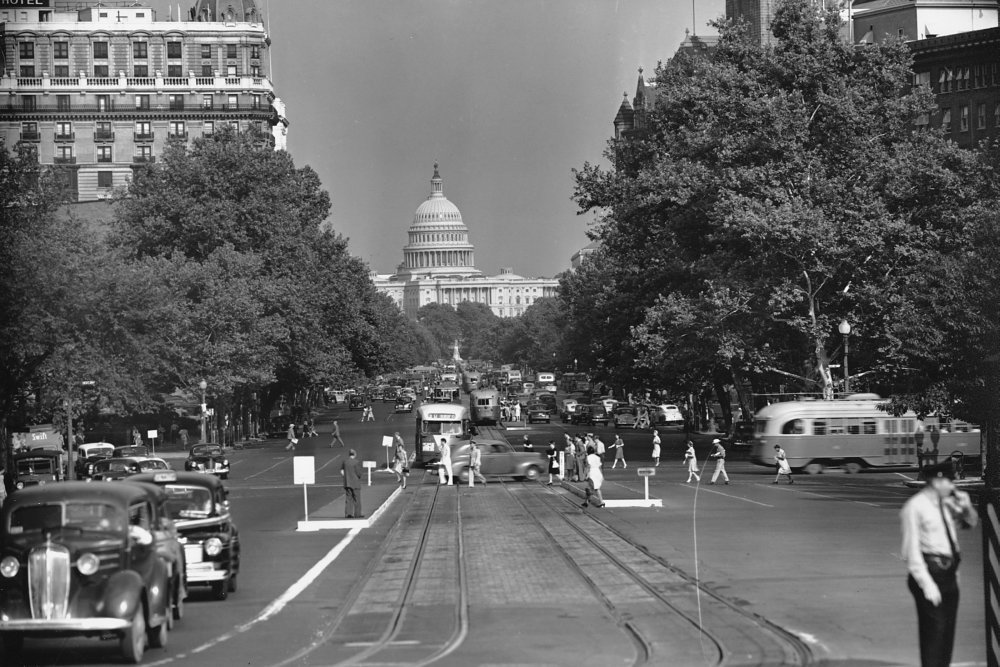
(519, 574)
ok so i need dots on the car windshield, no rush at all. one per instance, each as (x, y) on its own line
(119, 465)
(626, 410)
(85, 516)
(153, 464)
(34, 466)
(206, 451)
(188, 502)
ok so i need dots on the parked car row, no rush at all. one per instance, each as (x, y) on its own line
(113, 560)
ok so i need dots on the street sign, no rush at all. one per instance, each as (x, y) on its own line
(304, 470)
(387, 441)
(152, 434)
(369, 466)
(646, 472)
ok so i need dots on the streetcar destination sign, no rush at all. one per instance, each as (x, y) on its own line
(646, 472)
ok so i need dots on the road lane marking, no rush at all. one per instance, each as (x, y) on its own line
(278, 603)
(728, 495)
(820, 495)
(328, 462)
(283, 460)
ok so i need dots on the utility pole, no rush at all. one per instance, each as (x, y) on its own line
(70, 454)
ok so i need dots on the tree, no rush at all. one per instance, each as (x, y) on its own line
(443, 324)
(777, 190)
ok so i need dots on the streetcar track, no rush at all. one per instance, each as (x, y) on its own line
(803, 653)
(645, 646)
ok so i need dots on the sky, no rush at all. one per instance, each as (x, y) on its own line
(507, 95)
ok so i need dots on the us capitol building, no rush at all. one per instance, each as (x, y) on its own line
(439, 266)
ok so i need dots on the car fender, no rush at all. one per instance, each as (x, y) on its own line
(122, 594)
(158, 592)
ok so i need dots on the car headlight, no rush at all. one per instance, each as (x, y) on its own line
(213, 546)
(19, 485)
(9, 567)
(87, 564)
(225, 462)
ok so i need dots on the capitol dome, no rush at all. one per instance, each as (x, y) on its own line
(438, 239)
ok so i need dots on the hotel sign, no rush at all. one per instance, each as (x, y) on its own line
(25, 3)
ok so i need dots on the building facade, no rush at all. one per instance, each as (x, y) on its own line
(101, 88)
(875, 20)
(439, 266)
(757, 14)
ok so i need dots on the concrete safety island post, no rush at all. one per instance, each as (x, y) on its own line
(304, 473)
(369, 466)
(646, 473)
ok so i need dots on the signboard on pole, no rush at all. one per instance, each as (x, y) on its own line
(304, 470)
(646, 472)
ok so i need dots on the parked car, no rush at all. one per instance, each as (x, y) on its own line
(537, 412)
(90, 453)
(580, 414)
(82, 559)
(624, 416)
(592, 415)
(210, 459)
(199, 507)
(670, 415)
(36, 467)
(498, 458)
(608, 402)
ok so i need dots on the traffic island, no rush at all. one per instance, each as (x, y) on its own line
(331, 516)
(580, 489)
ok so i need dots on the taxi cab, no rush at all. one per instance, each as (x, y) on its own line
(199, 508)
(80, 559)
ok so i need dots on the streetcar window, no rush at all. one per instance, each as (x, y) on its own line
(794, 427)
(837, 426)
(761, 426)
(868, 427)
(819, 427)
(853, 426)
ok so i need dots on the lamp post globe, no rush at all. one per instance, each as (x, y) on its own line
(845, 329)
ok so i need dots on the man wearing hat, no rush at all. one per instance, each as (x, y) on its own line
(930, 519)
(476, 462)
(719, 454)
(351, 471)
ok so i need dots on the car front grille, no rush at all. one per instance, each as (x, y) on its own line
(48, 581)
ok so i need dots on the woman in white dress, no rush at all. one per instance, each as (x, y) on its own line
(691, 459)
(781, 461)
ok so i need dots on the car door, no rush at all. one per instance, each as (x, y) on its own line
(497, 459)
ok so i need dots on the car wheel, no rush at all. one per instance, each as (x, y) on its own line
(158, 635)
(13, 643)
(232, 583)
(532, 473)
(220, 590)
(463, 475)
(814, 468)
(133, 643)
(852, 467)
(178, 609)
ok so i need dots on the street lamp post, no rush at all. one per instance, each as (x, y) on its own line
(845, 331)
(204, 411)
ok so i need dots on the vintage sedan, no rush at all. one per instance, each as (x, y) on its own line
(625, 416)
(82, 559)
(404, 403)
(90, 453)
(198, 506)
(498, 458)
(131, 450)
(209, 459)
(112, 470)
(537, 412)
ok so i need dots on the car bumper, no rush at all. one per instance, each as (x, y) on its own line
(197, 573)
(63, 625)
(209, 471)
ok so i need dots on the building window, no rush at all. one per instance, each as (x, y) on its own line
(60, 50)
(143, 153)
(206, 51)
(27, 71)
(105, 179)
(139, 50)
(103, 131)
(61, 71)
(101, 50)
(981, 116)
(173, 49)
(963, 118)
(206, 70)
(142, 102)
(233, 102)
(255, 51)
(28, 102)
(232, 70)
(63, 102)
(64, 153)
(29, 132)
(176, 102)
(104, 154)
(946, 121)
(141, 71)
(255, 71)
(143, 130)
(230, 50)
(206, 101)
(944, 80)
(177, 129)
(100, 71)
(208, 128)
(64, 130)
(26, 50)
(175, 70)
(255, 102)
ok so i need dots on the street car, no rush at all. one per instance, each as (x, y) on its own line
(82, 559)
(624, 416)
(404, 404)
(498, 458)
(199, 508)
(210, 459)
(36, 467)
(537, 412)
(90, 453)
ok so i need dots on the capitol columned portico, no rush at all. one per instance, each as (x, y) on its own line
(439, 266)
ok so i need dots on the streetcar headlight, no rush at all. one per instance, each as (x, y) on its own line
(19, 485)
(213, 546)
(9, 567)
(87, 564)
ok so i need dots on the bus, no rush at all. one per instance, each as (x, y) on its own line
(484, 406)
(436, 421)
(855, 434)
